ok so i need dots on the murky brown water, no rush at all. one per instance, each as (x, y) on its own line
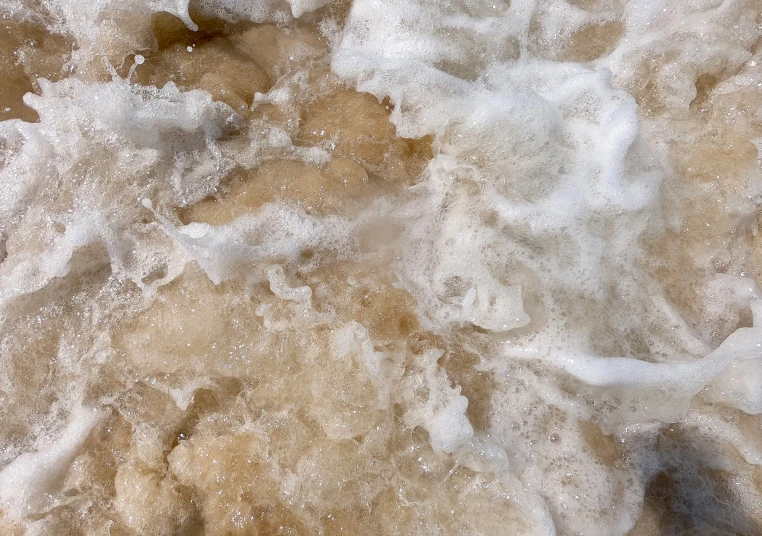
(377, 269)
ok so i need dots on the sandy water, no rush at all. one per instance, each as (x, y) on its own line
(380, 268)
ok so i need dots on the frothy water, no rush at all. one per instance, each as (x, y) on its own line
(378, 267)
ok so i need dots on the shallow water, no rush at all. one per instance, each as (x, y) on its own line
(375, 267)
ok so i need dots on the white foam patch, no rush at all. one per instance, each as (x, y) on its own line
(664, 390)
(300, 7)
(443, 413)
(272, 232)
(81, 18)
(28, 482)
(256, 11)
(99, 25)
(133, 133)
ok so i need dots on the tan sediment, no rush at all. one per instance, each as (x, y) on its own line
(229, 418)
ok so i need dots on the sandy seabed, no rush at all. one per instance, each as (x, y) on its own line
(380, 267)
